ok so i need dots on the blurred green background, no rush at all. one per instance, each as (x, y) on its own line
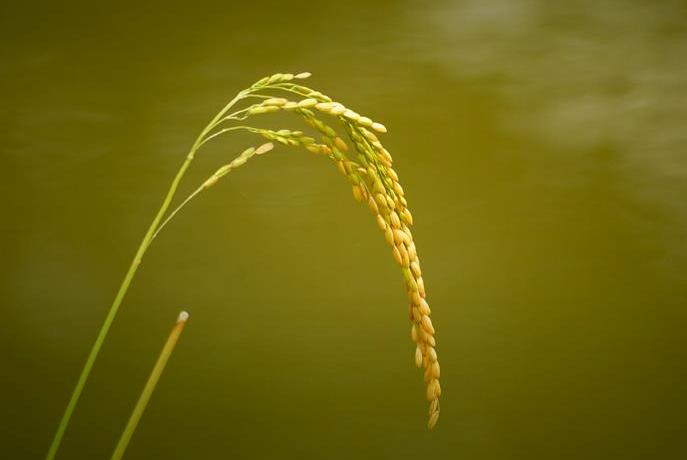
(542, 146)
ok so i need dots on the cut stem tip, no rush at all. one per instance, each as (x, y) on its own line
(183, 317)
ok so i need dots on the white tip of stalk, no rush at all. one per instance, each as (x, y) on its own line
(183, 316)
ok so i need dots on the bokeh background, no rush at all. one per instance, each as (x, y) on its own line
(542, 146)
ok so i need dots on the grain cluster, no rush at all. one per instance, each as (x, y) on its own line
(368, 167)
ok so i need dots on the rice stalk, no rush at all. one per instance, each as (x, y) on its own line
(373, 181)
(150, 385)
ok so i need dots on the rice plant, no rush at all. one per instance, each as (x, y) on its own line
(367, 166)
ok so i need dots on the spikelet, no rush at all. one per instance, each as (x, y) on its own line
(264, 148)
(307, 103)
(276, 101)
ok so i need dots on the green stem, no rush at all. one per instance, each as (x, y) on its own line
(149, 387)
(178, 208)
(105, 328)
(222, 131)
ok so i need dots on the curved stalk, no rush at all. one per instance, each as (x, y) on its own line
(221, 172)
(177, 209)
(220, 132)
(114, 308)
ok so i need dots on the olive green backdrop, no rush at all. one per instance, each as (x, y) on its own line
(542, 148)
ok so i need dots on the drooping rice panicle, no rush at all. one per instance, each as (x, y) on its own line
(371, 175)
(374, 182)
